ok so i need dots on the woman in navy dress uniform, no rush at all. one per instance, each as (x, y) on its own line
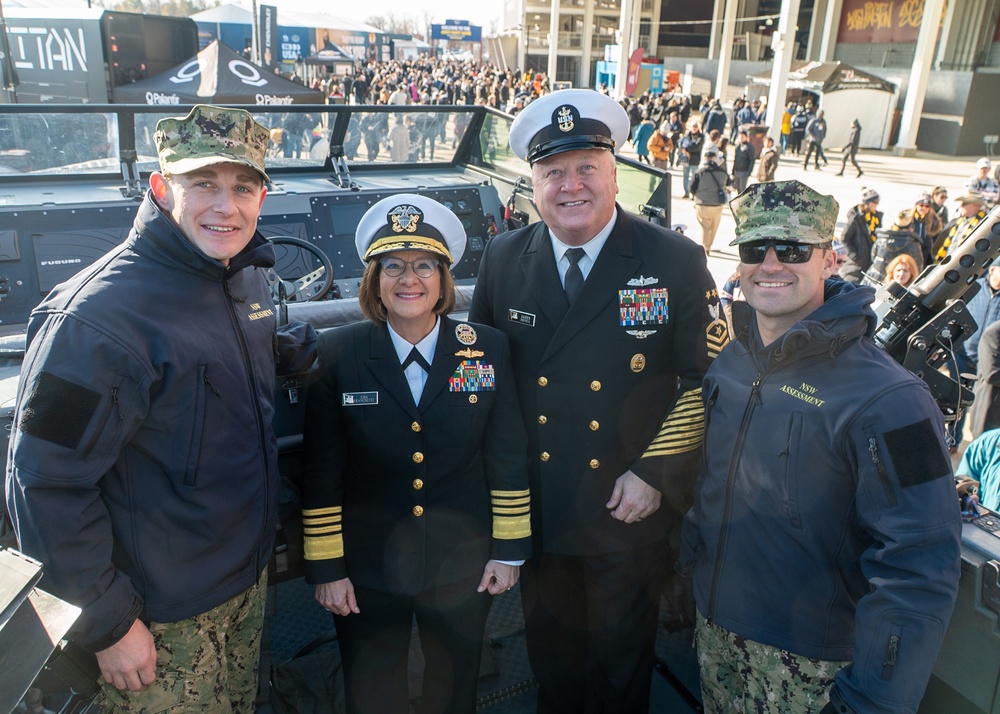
(415, 499)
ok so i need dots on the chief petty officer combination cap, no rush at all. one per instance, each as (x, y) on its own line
(784, 210)
(211, 135)
(568, 120)
(409, 221)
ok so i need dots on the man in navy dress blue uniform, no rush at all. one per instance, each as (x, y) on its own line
(612, 323)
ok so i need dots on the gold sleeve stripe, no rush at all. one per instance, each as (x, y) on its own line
(679, 435)
(680, 429)
(511, 527)
(510, 494)
(675, 446)
(323, 548)
(511, 501)
(314, 512)
(683, 430)
(511, 509)
(310, 527)
(321, 531)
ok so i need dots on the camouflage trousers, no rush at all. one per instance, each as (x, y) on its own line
(207, 663)
(740, 676)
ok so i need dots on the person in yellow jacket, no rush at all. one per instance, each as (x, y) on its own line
(786, 125)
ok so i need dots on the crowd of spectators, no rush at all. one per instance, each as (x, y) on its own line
(430, 81)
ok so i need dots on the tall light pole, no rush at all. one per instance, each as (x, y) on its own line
(783, 43)
(255, 35)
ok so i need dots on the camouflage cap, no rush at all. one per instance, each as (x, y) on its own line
(210, 135)
(784, 210)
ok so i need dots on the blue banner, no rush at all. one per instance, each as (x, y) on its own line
(457, 30)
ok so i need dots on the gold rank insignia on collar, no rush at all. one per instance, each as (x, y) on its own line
(469, 353)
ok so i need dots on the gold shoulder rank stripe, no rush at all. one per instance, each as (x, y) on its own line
(511, 514)
(322, 536)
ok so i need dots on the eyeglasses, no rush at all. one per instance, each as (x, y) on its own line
(785, 251)
(422, 267)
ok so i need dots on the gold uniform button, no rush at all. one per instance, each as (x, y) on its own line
(545, 456)
(417, 484)
(542, 381)
(418, 458)
(415, 426)
(595, 464)
(418, 511)
(595, 386)
(594, 425)
(473, 398)
(542, 419)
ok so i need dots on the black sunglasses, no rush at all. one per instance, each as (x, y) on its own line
(786, 252)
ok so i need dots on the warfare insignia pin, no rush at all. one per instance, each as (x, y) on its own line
(638, 362)
(469, 354)
(640, 334)
(642, 281)
(404, 219)
(466, 334)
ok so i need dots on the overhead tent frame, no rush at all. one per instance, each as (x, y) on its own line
(859, 95)
(334, 57)
(216, 74)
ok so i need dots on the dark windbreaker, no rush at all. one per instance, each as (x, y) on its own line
(825, 519)
(143, 469)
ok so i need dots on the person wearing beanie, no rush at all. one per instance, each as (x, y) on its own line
(862, 221)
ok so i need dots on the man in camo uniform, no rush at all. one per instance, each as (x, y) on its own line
(824, 539)
(143, 469)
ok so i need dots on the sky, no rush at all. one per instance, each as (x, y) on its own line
(477, 12)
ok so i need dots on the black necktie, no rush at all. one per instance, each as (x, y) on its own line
(574, 276)
(415, 356)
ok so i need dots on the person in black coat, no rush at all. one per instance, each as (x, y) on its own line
(743, 161)
(415, 498)
(861, 221)
(850, 150)
(799, 123)
(612, 323)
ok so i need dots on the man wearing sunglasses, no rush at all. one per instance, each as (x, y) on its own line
(824, 540)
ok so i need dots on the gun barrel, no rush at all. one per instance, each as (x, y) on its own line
(952, 277)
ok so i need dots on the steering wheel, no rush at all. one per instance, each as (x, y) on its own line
(295, 275)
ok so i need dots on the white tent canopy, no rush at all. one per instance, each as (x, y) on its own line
(846, 94)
